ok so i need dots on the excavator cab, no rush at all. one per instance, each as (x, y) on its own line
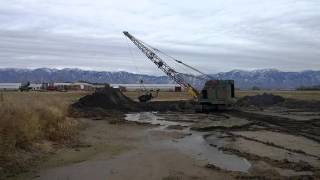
(216, 94)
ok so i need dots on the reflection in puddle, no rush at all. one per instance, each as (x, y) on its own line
(194, 145)
(201, 149)
(152, 118)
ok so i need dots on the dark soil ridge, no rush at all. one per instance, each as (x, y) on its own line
(212, 128)
(274, 145)
(297, 166)
(305, 129)
(112, 99)
(260, 100)
(267, 100)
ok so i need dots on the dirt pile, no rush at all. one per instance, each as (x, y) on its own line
(302, 104)
(107, 98)
(265, 100)
(260, 100)
(110, 99)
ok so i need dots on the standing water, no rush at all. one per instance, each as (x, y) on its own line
(194, 145)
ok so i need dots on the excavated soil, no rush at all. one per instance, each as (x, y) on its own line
(110, 99)
(268, 100)
(260, 100)
(278, 140)
(168, 144)
(301, 104)
(107, 98)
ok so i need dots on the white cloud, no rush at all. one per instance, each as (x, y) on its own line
(211, 35)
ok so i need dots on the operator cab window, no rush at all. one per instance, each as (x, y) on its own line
(232, 90)
(204, 94)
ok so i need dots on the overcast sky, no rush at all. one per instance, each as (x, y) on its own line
(212, 35)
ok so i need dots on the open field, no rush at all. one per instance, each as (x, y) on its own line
(273, 143)
(300, 95)
(34, 96)
(30, 122)
(163, 96)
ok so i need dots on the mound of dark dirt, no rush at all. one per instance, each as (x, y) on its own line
(302, 104)
(107, 98)
(110, 99)
(265, 100)
(167, 106)
(260, 100)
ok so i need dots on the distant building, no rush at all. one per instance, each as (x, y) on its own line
(81, 86)
(149, 87)
(9, 86)
(62, 86)
(77, 86)
(36, 87)
(84, 86)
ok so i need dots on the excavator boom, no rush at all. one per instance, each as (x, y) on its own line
(216, 94)
(162, 65)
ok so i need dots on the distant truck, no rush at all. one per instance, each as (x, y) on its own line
(25, 87)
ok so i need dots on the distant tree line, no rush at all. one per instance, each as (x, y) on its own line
(255, 88)
(309, 88)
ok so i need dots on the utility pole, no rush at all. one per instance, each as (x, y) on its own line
(1, 97)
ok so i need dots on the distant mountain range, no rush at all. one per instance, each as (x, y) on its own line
(265, 78)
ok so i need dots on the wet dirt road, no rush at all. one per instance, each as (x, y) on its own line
(173, 145)
(139, 152)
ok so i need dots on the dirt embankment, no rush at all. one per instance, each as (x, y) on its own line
(109, 148)
(301, 104)
(267, 100)
(107, 98)
(114, 100)
(260, 100)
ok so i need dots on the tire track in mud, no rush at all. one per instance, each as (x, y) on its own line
(272, 144)
(287, 125)
(276, 124)
(285, 164)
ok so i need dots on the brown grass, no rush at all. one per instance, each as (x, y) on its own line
(300, 95)
(27, 119)
(32, 121)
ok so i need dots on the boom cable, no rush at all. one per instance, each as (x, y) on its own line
(179, 62)
(135, 65)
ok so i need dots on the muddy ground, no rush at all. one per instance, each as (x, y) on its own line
(253, 141)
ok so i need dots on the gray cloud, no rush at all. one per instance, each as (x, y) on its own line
(212, 35)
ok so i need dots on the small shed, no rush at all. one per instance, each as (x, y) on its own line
(9, 86)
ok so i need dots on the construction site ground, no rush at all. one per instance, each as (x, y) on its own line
(277, 141)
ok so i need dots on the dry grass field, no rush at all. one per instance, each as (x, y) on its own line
(30, 122)
(37, 123)
(300, 95)
(29, 119)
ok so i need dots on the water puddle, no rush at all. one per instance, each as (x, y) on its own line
(195, 145)
(152, 118)
(199, 148)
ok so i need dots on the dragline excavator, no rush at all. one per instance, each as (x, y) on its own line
(216, 94)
